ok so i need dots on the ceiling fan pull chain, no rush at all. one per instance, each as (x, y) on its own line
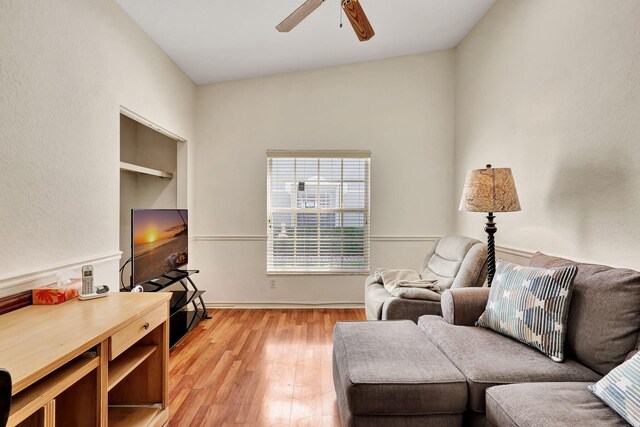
(340, 13)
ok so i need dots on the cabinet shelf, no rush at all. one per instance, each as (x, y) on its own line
(130, 167)
(129, 416)
(36, 396)
(127, 362)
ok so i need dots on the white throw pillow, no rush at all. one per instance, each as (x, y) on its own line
(620, 390)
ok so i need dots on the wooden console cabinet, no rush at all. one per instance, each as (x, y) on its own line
(124, 382)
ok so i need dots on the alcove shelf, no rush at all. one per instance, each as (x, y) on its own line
(130, 167)
(153, 174)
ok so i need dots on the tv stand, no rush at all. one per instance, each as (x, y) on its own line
(186, 308)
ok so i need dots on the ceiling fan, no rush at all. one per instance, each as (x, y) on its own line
(352, 9)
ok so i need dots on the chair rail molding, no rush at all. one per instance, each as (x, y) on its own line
(229, 238)
(263, 237)
(24, 280)
(521, 254)
(404, 238)
(524, 253)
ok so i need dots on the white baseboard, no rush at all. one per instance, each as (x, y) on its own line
(25, 280)
(280, 305)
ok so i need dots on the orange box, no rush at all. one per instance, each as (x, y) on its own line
(56, 294)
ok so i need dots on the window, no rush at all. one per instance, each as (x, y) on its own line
(317, 212)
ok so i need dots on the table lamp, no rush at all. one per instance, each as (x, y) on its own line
(490, 190)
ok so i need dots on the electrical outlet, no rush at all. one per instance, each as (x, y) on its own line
(272, 283)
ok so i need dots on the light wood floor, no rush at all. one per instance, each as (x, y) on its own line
(257, 368)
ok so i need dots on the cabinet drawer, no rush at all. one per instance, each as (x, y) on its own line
(130, 334)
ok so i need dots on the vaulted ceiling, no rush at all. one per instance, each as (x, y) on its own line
(217, 40)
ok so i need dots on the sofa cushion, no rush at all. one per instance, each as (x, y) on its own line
(604, 314)
(548, 404)
(531, 305)
(620, 390)
(389, 368)
(487, 358)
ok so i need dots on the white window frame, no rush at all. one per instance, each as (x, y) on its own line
(343, 268)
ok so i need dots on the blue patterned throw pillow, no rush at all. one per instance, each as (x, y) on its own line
(620, 390)
(531, 305)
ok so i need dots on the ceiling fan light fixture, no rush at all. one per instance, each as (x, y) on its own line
(298, 15)
(352, 8)
(359, 21)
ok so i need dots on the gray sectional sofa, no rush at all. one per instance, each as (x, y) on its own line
(390, 373)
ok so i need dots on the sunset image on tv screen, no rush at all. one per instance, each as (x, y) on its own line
(160, 242)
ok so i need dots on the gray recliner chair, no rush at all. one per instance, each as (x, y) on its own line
(455, 261)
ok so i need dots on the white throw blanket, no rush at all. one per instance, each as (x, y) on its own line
(408, 284)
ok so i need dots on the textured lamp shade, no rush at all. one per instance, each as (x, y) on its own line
(490, 190)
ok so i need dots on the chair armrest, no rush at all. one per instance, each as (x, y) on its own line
(370, 281)
(409, 309)
(463, 306)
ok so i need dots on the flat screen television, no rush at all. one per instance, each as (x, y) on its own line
(159, 242)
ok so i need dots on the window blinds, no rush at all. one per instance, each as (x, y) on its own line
(318, 211)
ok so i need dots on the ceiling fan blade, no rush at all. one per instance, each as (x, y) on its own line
(298, 15)
(358, 19)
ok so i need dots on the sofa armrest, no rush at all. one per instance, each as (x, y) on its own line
(464, 306)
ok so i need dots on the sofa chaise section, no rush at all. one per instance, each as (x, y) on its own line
(388, 374)
(487, 359)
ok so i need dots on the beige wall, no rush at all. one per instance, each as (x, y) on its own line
(552, 90)
(401, 109)
(65, 70)
(548, 88)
